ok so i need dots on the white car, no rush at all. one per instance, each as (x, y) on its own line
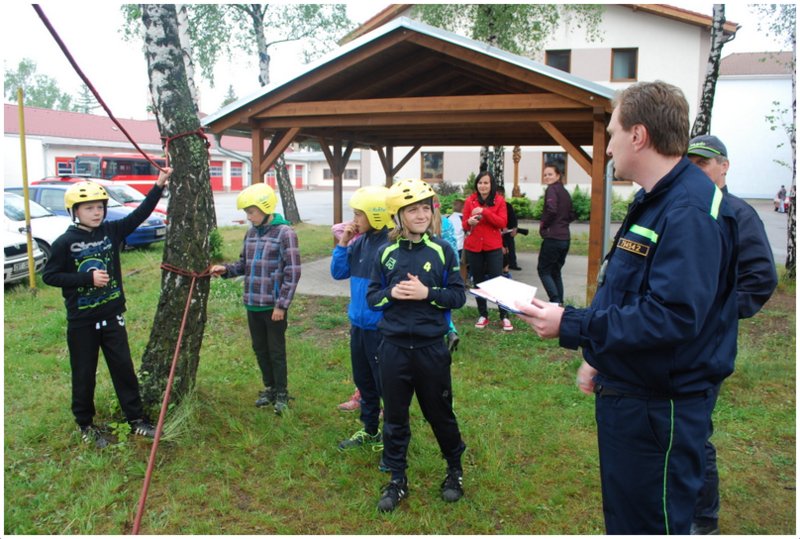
(15, 259)
(45, 226)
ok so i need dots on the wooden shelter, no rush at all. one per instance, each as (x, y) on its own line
(407, 84)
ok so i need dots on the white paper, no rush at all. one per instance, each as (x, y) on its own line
(505, 292)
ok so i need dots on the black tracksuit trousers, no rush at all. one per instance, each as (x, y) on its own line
(426, 372)
(84, 345)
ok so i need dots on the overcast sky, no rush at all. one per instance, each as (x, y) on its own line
(118, 69)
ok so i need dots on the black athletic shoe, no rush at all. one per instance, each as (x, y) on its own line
(90, 434)
(704, 528)
(266, 397)
(143, 427)
(281, 402)
(452, 489)
(392, 493)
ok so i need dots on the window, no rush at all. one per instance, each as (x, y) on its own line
(327, 174)
(53, 199)
(432, 164)
(557, 158)
(624, 64)
(236, 170)
(558, 59)
(215, 169)
(351, 174)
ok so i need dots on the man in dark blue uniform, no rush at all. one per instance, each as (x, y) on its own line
(660, 333)
(757, 280)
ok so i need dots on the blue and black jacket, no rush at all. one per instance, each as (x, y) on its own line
(413, 323)
(355, 262)
(664, 319)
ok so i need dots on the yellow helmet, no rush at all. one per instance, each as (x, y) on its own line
(372, 201)
(407, 192)
(260, 195)
(84, 192)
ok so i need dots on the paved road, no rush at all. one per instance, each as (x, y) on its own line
(316, 207)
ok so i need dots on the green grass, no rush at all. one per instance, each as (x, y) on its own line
(229, 468)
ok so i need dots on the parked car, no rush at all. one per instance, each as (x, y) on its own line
(121, 192)
(15, 259)
(153, 229)
(45, 225)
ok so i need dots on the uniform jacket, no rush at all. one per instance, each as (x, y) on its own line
(355, 262)
(409, 323)
(664, 319)
(756, 267)
(557, 214)
(78, 252)
(270, 263)
(485, 236)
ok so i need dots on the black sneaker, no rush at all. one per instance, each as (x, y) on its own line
(266, 397)
(362, 439)
(704, 528)
(143, 427)
(91, 434)
(392, 493)
(452, 491)
(452, 341)
(281, 402)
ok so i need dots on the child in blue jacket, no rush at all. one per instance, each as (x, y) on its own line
(353, 260)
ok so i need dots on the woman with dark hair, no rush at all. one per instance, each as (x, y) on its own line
(484, 218)
(554, 229)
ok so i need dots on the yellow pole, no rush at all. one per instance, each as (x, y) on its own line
(24, 162)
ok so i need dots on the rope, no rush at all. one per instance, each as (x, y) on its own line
(199, 132)
(165, 402)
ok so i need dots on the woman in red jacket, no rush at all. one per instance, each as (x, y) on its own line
(484, 218)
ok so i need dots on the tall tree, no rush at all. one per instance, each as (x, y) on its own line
(191, 211)
(38, 90)
(780, 21)
(230, 97)
(86, 102)
(517, 28)
(702, 122)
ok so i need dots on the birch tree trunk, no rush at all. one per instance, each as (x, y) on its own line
(186, 49)
(499, 165)
(791, 241)
(702, 122)
(191, 213)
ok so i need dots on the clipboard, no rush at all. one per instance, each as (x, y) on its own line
(505, 292)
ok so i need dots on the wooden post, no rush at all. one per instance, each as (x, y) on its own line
(517, 155)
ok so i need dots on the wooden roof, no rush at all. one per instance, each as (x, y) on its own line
(409, 84)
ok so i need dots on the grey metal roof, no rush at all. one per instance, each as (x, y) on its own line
(422, 28)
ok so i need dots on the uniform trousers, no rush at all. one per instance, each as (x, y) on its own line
(85, 343)
(426, 372)
(652, 461)
(366, 374)
(706, 512)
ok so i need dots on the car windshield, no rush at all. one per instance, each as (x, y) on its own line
(124, 193)
(14, 208)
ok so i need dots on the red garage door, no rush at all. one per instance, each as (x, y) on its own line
(215, 171)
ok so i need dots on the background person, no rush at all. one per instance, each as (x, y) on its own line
(484, 219)
(415, 282)
(85, 264)
(509, 233)
(756, 281)
(661, 331)
(371, 223)
(554, 229)
(270, 263)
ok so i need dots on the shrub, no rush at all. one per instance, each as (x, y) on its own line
(522, 207)
(215, 245)
(445, 188)
(581, 204)
(619, 207)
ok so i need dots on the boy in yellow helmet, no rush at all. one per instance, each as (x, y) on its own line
(270, 263)
(85, 264)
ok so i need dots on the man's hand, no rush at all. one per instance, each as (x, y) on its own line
(543, 317)
(412, 288)
(585, 378)
(163, 176)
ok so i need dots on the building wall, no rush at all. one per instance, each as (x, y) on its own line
(739, 116)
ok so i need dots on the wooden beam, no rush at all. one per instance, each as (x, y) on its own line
(257, 149)
(405, 159)
(597, 229)
(279, 143)
(438, 104)
(577, 153)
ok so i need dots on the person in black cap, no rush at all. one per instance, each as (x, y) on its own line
(757, 280)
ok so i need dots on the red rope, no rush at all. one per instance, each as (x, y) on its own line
(199, 132)
(165, 402)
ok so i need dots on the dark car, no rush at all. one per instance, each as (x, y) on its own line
(153, 229)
